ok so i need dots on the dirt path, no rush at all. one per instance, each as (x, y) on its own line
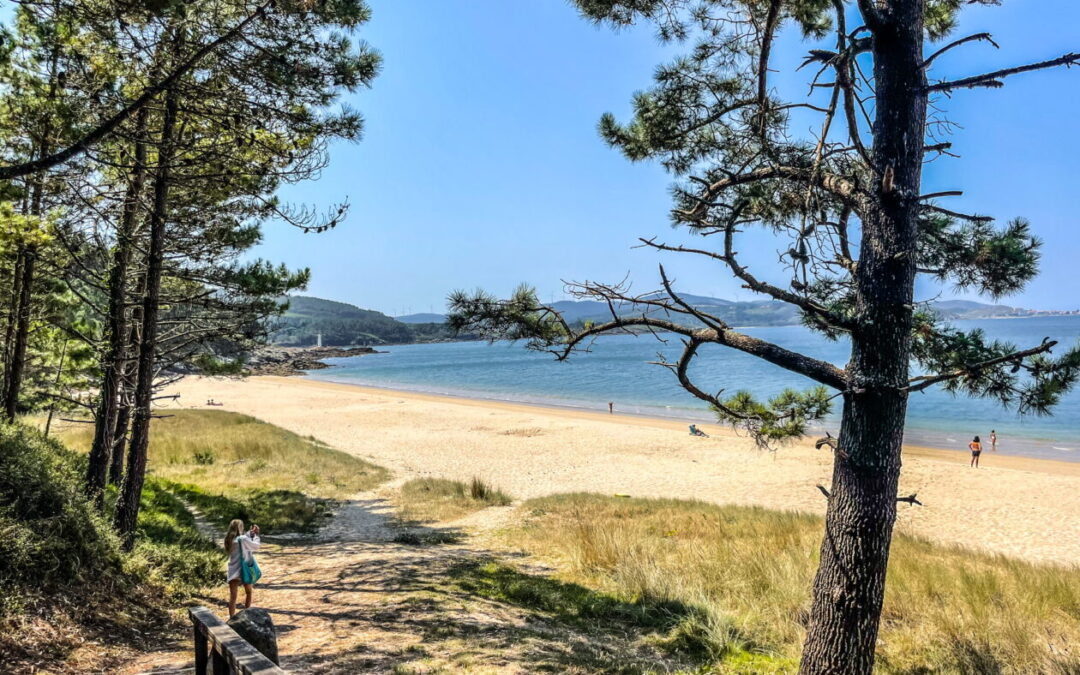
(359, 600)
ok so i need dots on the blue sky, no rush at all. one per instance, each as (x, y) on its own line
(481, 166)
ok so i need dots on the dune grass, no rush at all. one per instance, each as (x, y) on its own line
(745, 574)
(234, 466)
(438, 499)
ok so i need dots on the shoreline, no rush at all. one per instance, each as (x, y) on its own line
(1004, 459)
(1014, 506)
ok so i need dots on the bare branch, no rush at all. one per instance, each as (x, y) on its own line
(957, 214)
(944, 193)
(957, 43)
(993, 80)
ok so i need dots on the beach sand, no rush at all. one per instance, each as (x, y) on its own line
(1020, 507)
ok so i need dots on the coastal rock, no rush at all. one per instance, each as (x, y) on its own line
(296, 360)
(257, 628)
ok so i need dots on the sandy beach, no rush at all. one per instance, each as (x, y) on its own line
(1019, 507)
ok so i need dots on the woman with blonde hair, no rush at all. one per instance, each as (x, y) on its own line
(242, 566)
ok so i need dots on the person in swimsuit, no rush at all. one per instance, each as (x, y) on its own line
(976, 450)
(993, 441)
(239, 546)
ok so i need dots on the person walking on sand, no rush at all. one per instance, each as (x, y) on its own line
(993, 441)
(242, 566)
(976, 450)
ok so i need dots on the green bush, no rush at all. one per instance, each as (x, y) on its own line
(49, 533)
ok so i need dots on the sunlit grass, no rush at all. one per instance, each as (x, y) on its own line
(232, 465)
(438, 499)
(748, 571)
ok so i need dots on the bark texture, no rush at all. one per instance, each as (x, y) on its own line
(850, 583)
(21, 336)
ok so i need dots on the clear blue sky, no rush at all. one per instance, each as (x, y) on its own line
(481, 166)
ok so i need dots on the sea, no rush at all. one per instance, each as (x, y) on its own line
(617, 369)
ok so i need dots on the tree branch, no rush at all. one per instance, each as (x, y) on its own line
(106, 127)
(957, 43)
(926, 381)
(820, 371)
(993, 80)
(835, 185)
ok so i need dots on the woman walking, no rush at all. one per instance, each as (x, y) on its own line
(976, 449)
(242, 566)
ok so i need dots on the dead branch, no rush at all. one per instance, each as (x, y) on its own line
(993, 80)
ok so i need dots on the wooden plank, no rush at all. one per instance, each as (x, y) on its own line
(228, 647)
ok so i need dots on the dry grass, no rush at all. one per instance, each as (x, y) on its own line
(749, 570)
(230, 465)
(227, 452)
(438, 499)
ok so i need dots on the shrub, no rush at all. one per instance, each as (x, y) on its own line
(49, 533)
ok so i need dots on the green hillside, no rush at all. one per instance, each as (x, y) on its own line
(342, 324)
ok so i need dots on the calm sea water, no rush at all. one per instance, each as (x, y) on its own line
(617, 370)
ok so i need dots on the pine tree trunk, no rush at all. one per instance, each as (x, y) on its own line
(850, 584)
(21, 336)
(102, 448)
(120, 430)
(127, 508)
(17, 364)
(12, 319)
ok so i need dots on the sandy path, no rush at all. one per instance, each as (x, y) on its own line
(356, 600)
(1015, 506)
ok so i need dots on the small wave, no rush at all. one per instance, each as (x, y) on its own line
(951, 440)
(1065, 449)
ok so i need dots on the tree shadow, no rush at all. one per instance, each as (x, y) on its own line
(465, 610)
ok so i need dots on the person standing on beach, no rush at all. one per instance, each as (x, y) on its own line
(993, 441)
(976, 450)
(611, 407)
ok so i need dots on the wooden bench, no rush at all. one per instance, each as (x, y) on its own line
(220, 651)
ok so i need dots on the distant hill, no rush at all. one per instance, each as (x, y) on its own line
(772, 312)
(423, 317)
(342, 324)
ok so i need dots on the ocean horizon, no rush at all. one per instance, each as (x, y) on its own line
(617, 370)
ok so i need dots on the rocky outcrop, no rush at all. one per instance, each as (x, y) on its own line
(297, 360)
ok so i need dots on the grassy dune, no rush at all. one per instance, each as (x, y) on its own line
(235, 466)
(438, 499)
(746, 572)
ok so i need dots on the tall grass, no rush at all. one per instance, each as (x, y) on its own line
(223, 450)
(438, 499)
(749, 571)
(235, 466)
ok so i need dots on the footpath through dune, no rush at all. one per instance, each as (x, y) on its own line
(369, 595)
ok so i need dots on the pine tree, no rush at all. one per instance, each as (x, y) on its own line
(856, 228)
